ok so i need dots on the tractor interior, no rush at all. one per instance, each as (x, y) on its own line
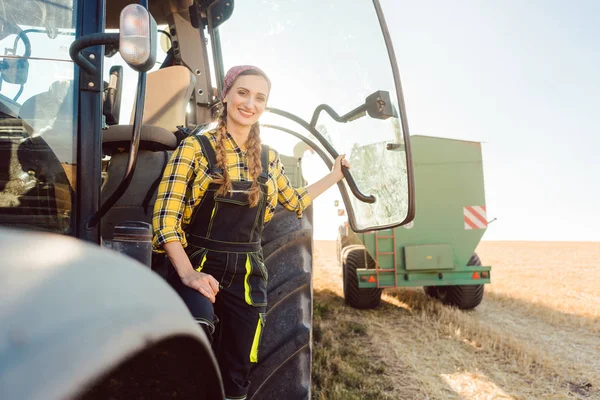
(38, 136)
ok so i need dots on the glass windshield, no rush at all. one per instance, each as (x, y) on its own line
(327, 52)
(37, 118)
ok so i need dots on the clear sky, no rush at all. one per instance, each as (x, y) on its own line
(523, 77)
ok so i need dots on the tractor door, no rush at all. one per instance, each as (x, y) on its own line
(38, 122)
(336, 87)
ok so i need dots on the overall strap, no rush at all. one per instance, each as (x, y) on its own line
(264, 162)
(209, 153)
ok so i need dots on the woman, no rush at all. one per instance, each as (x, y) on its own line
(217, 192)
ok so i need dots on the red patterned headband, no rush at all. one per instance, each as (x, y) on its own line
(234, 72)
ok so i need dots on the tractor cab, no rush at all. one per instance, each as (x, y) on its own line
(94, 97)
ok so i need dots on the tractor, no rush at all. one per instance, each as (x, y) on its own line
(437, 249)
(91, 108)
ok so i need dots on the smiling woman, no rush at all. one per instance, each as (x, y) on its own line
(217, 193)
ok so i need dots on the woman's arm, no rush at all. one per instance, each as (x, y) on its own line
(297, 199)
(330, 179)
(172, 195)
(185, 166)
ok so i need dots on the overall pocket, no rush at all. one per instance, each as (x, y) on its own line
(261, 265)
(232, 219)
(255, 282)
(198, 258)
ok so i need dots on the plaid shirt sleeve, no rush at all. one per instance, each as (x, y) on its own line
(183, 183)
(293, 199)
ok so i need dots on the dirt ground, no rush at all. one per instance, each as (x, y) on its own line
(536, 334)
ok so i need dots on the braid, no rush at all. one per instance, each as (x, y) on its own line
(253, 146)
(221, 154)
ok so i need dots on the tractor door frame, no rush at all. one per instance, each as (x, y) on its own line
(88, 107)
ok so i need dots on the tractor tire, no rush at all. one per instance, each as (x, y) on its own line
(283, 370)
(464, 297)
(353, 257)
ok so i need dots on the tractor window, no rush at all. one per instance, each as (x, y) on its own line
(37, 118)
(327, 52)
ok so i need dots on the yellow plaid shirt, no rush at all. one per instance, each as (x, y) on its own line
(186, 179)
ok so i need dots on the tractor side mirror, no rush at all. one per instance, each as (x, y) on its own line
(15, 70)
(137, 37)
(379, 105)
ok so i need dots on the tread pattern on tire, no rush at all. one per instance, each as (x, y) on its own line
(353, 257)
(464, 297)
(283, 370)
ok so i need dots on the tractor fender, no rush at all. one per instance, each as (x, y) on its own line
(71, 311)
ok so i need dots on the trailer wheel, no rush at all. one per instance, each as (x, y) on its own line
(283, 370)
(465, 297)
(341, 243)
(353, 257)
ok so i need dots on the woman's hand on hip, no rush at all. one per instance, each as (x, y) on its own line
(206, 284)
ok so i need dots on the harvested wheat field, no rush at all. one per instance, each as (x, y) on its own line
(536, 335)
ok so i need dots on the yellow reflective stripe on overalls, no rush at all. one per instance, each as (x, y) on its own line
(247, 280)
(212, 215)
(256, 341)
(202, 262)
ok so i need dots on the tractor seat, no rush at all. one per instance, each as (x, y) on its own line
(168, 92)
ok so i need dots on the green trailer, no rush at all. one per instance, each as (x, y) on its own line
(436, 250)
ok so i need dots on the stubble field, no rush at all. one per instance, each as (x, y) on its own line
(536, 334)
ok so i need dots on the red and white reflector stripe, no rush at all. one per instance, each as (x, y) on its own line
(475, 217)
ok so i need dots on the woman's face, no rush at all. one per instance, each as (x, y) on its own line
(247, 99)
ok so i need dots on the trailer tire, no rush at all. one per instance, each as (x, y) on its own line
(353, 257)
(464, 297)
(285, 352)
(341, 243)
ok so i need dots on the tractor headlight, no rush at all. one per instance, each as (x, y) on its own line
(137, 37)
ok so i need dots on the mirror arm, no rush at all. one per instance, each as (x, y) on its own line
(19, 93)
(343, 119)
(349, 179)
(326, 108)
(23, 36)
(354, 113)
(92, 39)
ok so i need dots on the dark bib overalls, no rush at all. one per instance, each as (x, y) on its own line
(224, 238)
